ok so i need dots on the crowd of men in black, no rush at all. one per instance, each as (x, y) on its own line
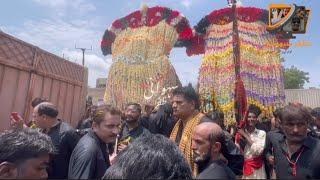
(111, 144)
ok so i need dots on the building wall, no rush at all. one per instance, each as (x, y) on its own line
(308, 97)
(96, 94)
(101, 82)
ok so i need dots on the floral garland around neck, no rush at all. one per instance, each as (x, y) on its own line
(185, 144)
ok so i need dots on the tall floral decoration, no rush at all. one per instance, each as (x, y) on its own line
(140, 44)
(241, 64)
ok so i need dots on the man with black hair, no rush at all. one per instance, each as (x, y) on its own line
(145, 117)
(161, 120)
(36, 101)
(150, 157)
(24, 154)
(86, 123)
(296, 155)
(207, 142)
(275, 120)
(271, 139)
(217, 117)
(90, 158)
(253, 145)
(132, 128)
(45, 116)
(316, 126)
(229, 150)
(185, 104)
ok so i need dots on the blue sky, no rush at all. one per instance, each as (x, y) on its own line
(57, 25)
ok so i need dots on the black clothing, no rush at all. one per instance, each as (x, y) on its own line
(314, 131)
(161, 120)
(144, 121)
(271, 139)
(233, 154)
(84, 124)
(230, 151)
(62, 141)
(264, 125)
(89, 159)
(307, 165)
(216, 170)
(133, 133)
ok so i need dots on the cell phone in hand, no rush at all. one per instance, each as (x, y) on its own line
(15, 116)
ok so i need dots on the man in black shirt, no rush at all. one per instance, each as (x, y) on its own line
(161, 120)
(90, 159)
(272, 138)
(207, 140)
(296, 154)
(144, 118)
(229, 150)
(87, 123)
(45, 116)
(132, 128)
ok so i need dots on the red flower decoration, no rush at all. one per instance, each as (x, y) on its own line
(117, 24)
(153, 16)
(173, 15)
(197, 45)
(134, 19)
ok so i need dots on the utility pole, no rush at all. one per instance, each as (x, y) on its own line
(83, 50)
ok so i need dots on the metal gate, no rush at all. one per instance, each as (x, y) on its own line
(27, 72)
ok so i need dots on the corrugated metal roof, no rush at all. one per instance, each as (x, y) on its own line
(308, 97)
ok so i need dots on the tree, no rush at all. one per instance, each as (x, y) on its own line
(295, 78)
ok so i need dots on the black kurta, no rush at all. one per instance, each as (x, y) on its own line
(308, 160)
(60, 136)
(216, 170)
(89, 159)
(133, 133)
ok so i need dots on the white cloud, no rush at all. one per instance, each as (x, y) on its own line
(55, 34)
(186, 3)
(98, 67)
(4, 29)
(52, 3)
(187, 68)
(66, 6)
(59, 37)
(318, 60)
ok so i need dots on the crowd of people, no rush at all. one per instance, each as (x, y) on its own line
(174, 140)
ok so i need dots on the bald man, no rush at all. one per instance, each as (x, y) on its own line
(207, 140)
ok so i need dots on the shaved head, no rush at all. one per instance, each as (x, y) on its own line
(210, 130)
(207, 140)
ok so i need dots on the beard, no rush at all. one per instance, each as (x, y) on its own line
(202, 159)
(130, 119)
